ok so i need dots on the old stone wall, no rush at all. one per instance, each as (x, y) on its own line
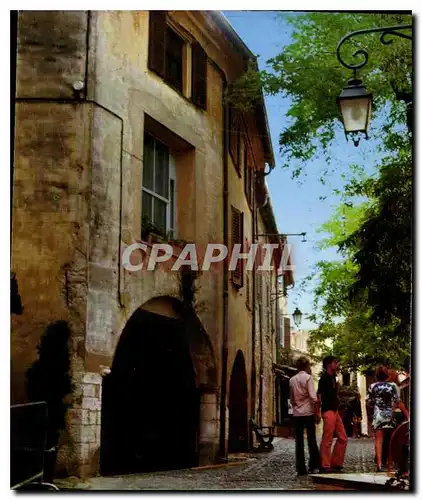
(85, 99)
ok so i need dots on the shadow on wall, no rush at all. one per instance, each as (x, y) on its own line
(49, 380)
(15, 299)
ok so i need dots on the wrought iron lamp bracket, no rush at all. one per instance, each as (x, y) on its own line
(385, 39)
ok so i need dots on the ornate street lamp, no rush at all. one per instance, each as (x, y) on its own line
(297, 316)
(355, 102)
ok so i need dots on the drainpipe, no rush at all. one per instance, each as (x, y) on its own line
(261, 372)
(223, 394)
(253, 367)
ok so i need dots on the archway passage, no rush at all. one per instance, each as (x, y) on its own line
(150, 403)
(238, 406)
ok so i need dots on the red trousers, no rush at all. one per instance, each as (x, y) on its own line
(333, 426)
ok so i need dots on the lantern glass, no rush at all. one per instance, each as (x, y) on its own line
(297, 317)
(356, 113)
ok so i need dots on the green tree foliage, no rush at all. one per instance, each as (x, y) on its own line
(309, 73)
(362, 301)
(347, 326)
(383, 248)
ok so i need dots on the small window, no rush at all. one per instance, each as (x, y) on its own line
(237, 238)
(169, 56)
(158, 186)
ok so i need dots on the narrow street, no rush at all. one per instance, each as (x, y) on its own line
(268, 471)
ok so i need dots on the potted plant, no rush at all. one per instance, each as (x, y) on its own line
(150, 232)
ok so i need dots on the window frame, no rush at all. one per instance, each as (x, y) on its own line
(157, 62)
(170, 224)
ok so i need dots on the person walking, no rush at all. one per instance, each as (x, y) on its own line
(305, 415)
(400, 414)
(333, 425)
(382, 400)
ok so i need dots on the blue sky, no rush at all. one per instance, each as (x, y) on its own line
(296, 205)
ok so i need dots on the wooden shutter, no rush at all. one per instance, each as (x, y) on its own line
(287, 336)
(248, 278)
(234, 143)
(277, 257)
(246, 172)
(199, 76)
(237, 237)
(251, 175)
(157, 41)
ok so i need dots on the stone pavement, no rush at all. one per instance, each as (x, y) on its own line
(263, 471)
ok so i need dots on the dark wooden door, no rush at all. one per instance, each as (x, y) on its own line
(150, 402)
(238, 407)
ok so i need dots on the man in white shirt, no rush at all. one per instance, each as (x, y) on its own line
(305, 415)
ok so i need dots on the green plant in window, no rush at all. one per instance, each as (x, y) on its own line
(149, 227)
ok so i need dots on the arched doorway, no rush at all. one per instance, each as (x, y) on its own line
(150, 402)
(238, 406)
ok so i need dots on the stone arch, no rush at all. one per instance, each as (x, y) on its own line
(200, 347)
(162, 389)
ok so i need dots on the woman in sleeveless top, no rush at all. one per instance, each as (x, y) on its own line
(382, 399)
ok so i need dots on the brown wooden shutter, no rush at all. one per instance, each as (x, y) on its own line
(246, 172)
(277, 257)
(237, 237)
(251, 175)
(287, 335)
(248, 169)
(157, 41)
(199, 76)
(234, 144)
(248, 277)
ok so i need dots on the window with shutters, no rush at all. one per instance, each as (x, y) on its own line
(237, 238)
(159, 186)
(173, 56)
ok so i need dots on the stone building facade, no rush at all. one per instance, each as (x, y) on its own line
(120, 122)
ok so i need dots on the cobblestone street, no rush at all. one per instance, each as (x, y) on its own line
(272, 471)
